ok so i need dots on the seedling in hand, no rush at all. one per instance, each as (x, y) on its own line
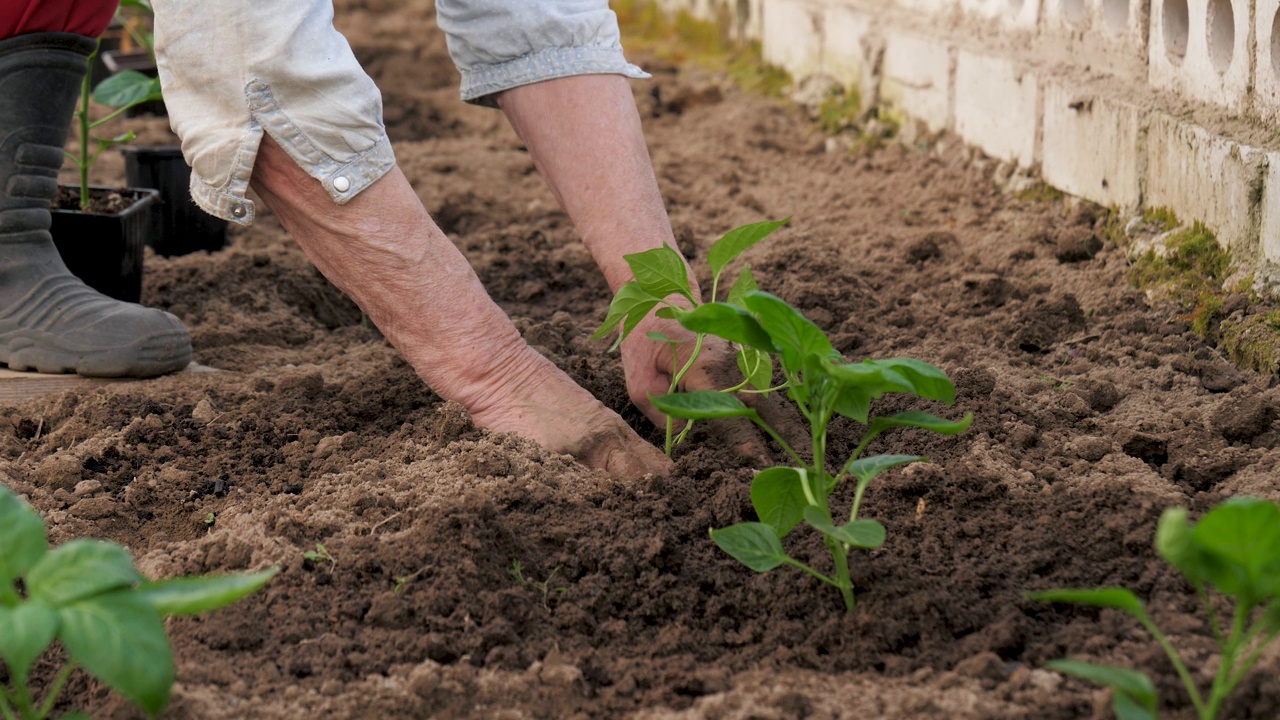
(1234, 549)
(822, 386)
(87, 595)
(321, 554)
(662, 280)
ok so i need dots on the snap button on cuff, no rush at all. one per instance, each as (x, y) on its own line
(341, 184)
(238, 210)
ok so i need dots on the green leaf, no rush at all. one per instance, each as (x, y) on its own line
(126, 89)
(862, 533)
(1117, 598)
(745, 283)
(778, 498)
(701, 405)
(22, 538)
(631, 304)
(1239, 542)
(136, 4)
(1137, 689)
(659, 337)
(853, 402)
(756, 366)
(726, 321)
(737, 241)
(755, 545)
(924, 379)
(25, 632)
(194, 595)
(661, 272)
(923, 420)
(866, 469)
(794, 335)
(1174, 543)
(119, 638)
(81, 569)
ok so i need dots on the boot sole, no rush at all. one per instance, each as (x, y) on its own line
(159, 354)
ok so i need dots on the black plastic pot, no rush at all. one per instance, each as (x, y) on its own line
(105, 251)
(180, 226)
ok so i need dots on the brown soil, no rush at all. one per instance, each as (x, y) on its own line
(1094, 411)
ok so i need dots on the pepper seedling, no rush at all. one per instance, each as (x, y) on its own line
(1235, 549)
(87, 595)
(822, 385)
(661, 275)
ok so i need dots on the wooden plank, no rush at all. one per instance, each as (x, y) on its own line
(17, 386)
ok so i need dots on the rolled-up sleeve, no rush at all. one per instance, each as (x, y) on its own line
(501, 44)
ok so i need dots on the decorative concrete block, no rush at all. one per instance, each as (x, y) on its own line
(916, 78)
(792, 36)
(1266, 88)
(997, 107)
(1201, 49)
(1205, 177)
(1091, 146)
(844, 46)
(1011, 14)
(1106, 30)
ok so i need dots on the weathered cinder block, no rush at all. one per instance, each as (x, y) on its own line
(997, 107)
(1013, 14)
(792, 36)
(1266, 88)
(1206, 177)
(916, 78)
(1270, 214)
(1091, 145)
(1201, 49)
(844, 47)
(1105, 30)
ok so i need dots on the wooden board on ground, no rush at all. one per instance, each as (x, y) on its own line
(16, 386)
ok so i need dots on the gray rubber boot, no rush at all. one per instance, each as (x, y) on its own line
(49, 320)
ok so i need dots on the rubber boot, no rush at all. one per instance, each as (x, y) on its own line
(49, 320)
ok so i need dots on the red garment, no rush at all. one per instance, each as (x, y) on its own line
(82, 17)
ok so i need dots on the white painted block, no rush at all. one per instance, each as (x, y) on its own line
(844, 48)
(1205, 177)
(1266, 87)
(1011, 14)
(997, 107)
(916, 78)
(792, 36)
(1270, 215)
(1201, 49)
(1091, 146)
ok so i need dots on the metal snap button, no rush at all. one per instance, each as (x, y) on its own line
(239, 210)
(341, 184)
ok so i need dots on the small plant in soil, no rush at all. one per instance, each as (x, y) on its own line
(661, 280)
(1234, 549)
(517, 575)
(319, 555)
(87, 595)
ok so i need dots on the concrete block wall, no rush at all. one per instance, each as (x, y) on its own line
(1127, 103)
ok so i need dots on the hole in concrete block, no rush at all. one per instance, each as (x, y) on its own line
(1221, 34)
(1275, 44)
(1176, 27)
(1115, 15)
(1074, 12)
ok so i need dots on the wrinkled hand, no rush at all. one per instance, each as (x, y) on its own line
(649, 366)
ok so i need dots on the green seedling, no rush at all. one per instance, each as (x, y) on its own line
(210, 519)
(321, 554)
(662, 280)
(404, 580)
(1234, 549)
(517, 574)
(87, 595)
(822, 386)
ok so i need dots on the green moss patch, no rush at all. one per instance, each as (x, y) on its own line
(1191, 272)
(1254, 343)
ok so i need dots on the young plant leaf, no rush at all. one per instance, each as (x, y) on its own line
(81, 569)
(119, 638)
(853, 402)
(630, 305)
(194, 595)
(659, 337)
(866, 469)
(1174, 543)
(661, 272)
(126, 89)
(746, 283)
(726, 321)
(1135, 694)
(756, 366)
(737, 241)
(25, 631)
(22, 538)
(923, 420)
(794, 335)
(861, 533)
(1240, 541)
(924, 379)
(755, 545)
(778, 498)
(701, 405)
(1117, 598)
